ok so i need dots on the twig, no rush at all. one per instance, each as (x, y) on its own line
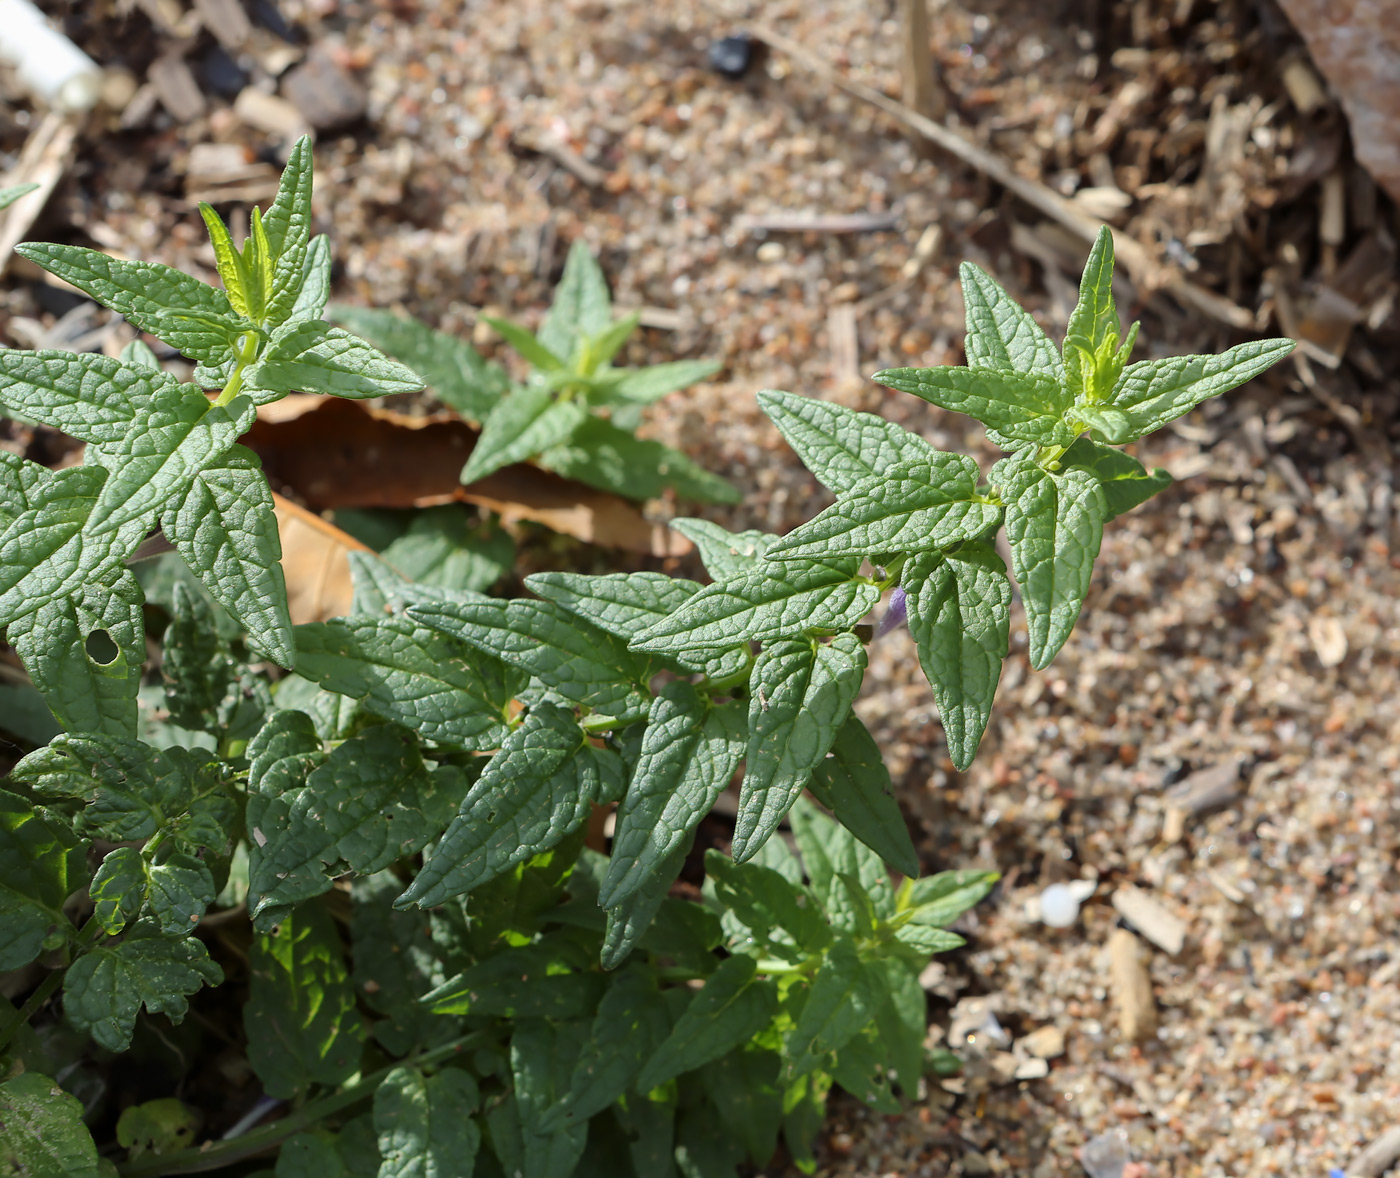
(816, 222)
(45, 157)
(1147, 273)
(563, 155)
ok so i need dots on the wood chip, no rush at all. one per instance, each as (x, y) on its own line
(267, 112)
(1209, 789)
(1047, 1042)
(179, 93)
(46, 155)
(1378, 1157)
(1132, 986)
(1146, 914)
(1303, 85)
(841, 327)
(227, 21)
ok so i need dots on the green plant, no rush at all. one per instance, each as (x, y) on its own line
(512, 1001)
(575, 413)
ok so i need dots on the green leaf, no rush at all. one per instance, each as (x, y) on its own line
(777, 913)
(841, 1001)
(830, 851)
(180, 435)
(902, 1020)
(1054, 524)
(800, 695)
(601, 455)
(86, 395)
(442, 547)
(287, 227)
(854, 784)
(137, 354)
(845, 450)
(1000, 333)
(454, 370)
(645, 385)
(181, 888)
(535, 791)
(724, 553)
(226, 530)
(405, 672)
(104, 990)
(425, 1124)
(1093, 322)
(187, 314)
(13, 192)
(1026, 408)
(43, 1132)
(524, 341)
(244, 290)
(118, 889)
(525, 422)
(940, 899)
(379, 589)
(630, 1024)
(772, 602)
(351, 1153)
(704, 1146)
(315, 289)
(911, 509)
(310, 356)
(743, 1087)
(41, 864)
(1154, 392)
(629, 922)
(960, 618)
(689, 752)
(157, 1126)
(1125, 481)
(372, 802)
(731, 1008)
(585, 665)
(582, 306)
(25, 716)
(620, 603)
(301, 1020)
(541, 1062)
(89, 684)
(198, 670)
(530, 982)
(600, 347)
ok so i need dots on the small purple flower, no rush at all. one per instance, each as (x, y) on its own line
(895, 614)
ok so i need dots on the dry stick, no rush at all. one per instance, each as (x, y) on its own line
(920, 92)
(1147, 273)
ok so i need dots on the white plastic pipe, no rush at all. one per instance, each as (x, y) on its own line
(49, 65)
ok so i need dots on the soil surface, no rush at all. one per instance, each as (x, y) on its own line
(1222, 730)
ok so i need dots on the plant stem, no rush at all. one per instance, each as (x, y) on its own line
(246, 355)
(215, 1155)
(42, 994)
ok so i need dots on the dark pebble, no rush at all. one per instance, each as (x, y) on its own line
(732, 56)
(219, 73)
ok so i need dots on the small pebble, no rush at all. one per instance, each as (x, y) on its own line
(1059, 903)
(731, 56)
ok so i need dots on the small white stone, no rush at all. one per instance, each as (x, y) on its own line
(771, 251)
(1059, 903)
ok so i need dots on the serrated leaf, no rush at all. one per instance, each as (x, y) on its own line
(530, 982)
(187, 314)
(1027, 408)
(724, 553)
(1054, 524)
(581, 307)
(731, 1008)
(629, 922)
(525, 422)
(372, 802)
(315, 290)
(287, 230)
(89, 685)
(912, 509)
(778, 913)
(536, 790)
(310, 356)
(524, 341)
(620, 603)
(180, 435)
(601, 455)
(1155, 392)
(830, 851)
(927, 939)
(843, 449)
(43, 1132)
(1000, 333)
(86, 395)
(645, 385)
(405, 672)
(630, 1024)
(689, 752)
(960, 619)
(1125, 481)
(226, 530)
(1094, 318)
(454, 370)
(443, 548)
(104, 990)
(800, 695)
(854, 784)
(181, 888)
(841, 1001)
(772, 602)
(245, 295)
(583, 664)
(424, 1124)
(199, 672)
(380, 589)
(41, 864)
(118, 889)
(301, 1020)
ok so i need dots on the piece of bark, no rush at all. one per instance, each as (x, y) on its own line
(1146, 914)
(920, 90)
(1132, 986)
(46, 155)
(178, 91)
